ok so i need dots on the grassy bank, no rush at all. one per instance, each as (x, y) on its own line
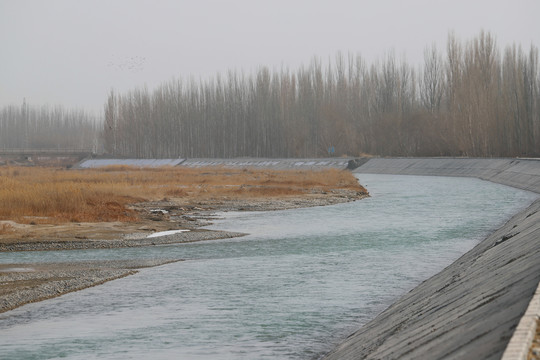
(52, 196)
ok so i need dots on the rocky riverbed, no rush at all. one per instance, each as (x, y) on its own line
(26, 283)
(131, 240)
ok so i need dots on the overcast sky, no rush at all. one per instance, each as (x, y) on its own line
(73, 52)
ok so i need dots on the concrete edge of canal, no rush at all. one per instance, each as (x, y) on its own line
(471, 309)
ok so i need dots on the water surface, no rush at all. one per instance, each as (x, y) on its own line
(296, 286)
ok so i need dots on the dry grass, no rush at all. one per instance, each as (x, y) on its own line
(48, 195)
(6, 229)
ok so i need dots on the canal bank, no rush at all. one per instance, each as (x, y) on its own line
(471, 309)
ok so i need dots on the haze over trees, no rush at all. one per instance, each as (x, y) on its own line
(469, 99)
(47, 128)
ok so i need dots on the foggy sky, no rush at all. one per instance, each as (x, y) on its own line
(73, 52)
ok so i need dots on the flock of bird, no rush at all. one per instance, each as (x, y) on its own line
(132, 64)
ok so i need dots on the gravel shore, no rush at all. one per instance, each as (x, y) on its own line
(133, 240)
(26, 283)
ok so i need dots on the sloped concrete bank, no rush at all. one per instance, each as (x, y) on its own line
(470, 309)
(518, 173)
(262, 163)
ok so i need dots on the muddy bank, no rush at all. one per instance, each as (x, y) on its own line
(470, 309)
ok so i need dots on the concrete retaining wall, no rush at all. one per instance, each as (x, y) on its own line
(519, 173)
(282, 164)
(278, 164)
(470, 309)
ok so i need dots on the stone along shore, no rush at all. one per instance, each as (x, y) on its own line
(26, 283)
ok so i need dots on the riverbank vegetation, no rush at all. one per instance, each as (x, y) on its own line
(469, 99)
(48, 195)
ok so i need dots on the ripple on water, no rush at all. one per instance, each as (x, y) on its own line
(299, 283)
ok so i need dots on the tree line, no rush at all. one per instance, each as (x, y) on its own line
(50, 128)
(469, 99)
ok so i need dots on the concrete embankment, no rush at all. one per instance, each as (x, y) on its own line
(470, 309)
(261, 163)
(518, 173)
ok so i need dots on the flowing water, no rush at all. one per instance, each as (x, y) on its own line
(301, 281)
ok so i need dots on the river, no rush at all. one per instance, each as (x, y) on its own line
(300, 282)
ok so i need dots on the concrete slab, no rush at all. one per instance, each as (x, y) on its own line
(519, 173)
(471, 309)
(96, 163)
(279, 164)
